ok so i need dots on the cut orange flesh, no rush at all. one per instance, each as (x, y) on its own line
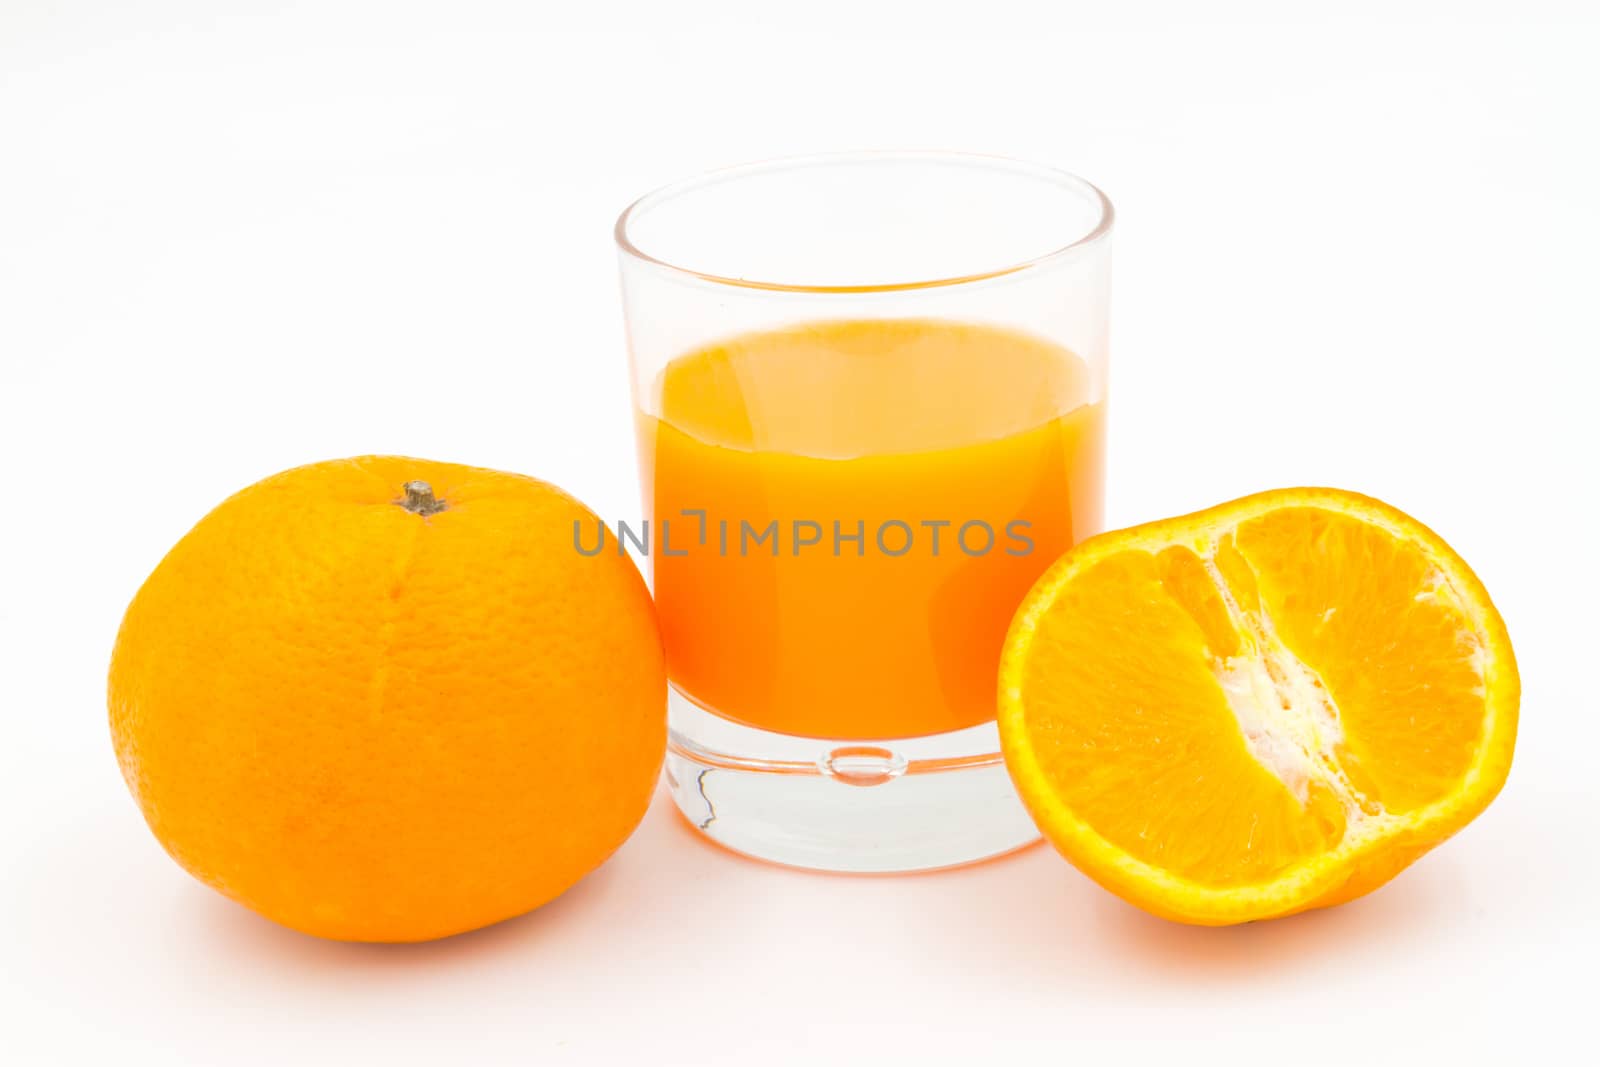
(1271, 705)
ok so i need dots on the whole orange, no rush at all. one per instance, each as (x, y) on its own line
(387, 699)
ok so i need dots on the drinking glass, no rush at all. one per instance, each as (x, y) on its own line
(869, 393)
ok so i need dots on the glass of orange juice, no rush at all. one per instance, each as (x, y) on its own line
(870, 393)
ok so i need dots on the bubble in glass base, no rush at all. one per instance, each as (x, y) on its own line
(866, 807)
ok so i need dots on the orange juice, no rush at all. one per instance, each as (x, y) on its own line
(847, 513)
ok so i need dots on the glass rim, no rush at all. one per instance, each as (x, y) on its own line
(1096, 233)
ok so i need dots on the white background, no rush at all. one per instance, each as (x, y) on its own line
(1357, 246)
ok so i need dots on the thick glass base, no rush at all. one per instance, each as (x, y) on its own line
(856, 806)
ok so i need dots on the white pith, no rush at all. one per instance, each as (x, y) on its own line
(1288, 718)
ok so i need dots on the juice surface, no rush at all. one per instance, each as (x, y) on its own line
(917, 435)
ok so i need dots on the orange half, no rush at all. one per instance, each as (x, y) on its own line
(1271, 705)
